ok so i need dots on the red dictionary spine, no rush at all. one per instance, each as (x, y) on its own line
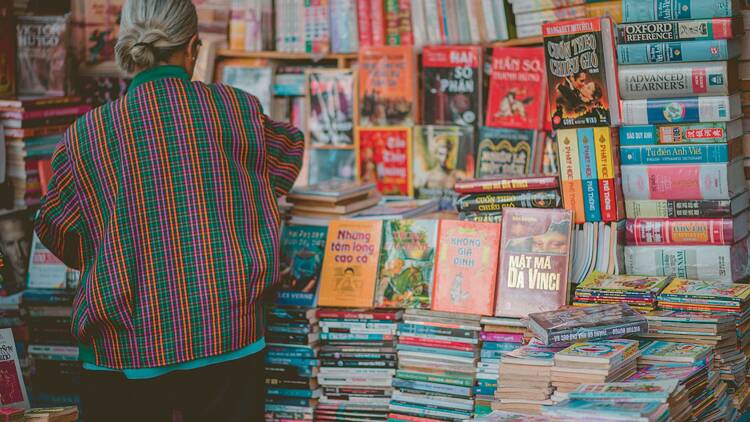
(418, 341)
(377, 14)
(364, 23)
(506, 184)
(689, 231)
(351, 314)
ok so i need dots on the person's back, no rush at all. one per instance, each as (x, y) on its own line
(165, 199)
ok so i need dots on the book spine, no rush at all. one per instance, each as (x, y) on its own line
(645, 231)
(344, 314)
(502, 337)
(496, 201)
(680, 154)
(46, 113)
(358, 363)
(432, 387)
(392, 33)
(706, 29)
(606, 171)
(680, 110)
(423, 342)
(671, 10)
(589, 174)
(570, 173)
(676, 52)
(678, 209)
(377, 16)
(406, 29)
(521, 184)
(412, 329)
(710, 263)
(526, 6)
(364, 23)
(697, 133)
(419, 23)
(615, 331)
(539, 17)
(426, 377)
(678, 80)
(682, 181)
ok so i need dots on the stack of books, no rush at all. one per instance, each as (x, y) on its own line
(741, 48)
(53, 354)
(292, 363)
(331, 200)
(638, 400)
(483, 200)
(437, 355)
(681, 153)
(638, 292)
(358, 361)
(530, 15)
(499, 335)
(525, 381)
(592, 362)
(33, 128)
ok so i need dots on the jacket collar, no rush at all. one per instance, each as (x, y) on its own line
(159, 72)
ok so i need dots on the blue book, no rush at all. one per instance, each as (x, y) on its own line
(679, 154)
(298, 362)
(678, 51)
(687, 133)
(485, 391)
(290, 392)
(432, 387)
(301, 260)
(589, 177)
(503, 346)
(664, 111)
(671, 10)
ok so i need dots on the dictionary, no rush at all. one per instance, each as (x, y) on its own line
(686, 208)
(670, 10)
(681, 154)
(683, 30)
(683, 181)
(681, 110)
(678, 51)
(686, 231)
(678, 80)
(717, 263)
(687, 133)
(534, 261)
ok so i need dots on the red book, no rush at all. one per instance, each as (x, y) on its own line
(10, 414)
(506, 184)
(46, 113)
(517, 88)
(35, 131)
(364, 23)
(377, 15)
(384, 158)
(534, 261)
(420, 341)
(409, 418)
(406, 32)
(502, 337)
(358, 314)
(686, 231)
(45, 173)
(35, 103)
(466, 267)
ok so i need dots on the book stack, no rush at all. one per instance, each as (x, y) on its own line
(592, 362)
(52, 351)
(33, 128)
(638, 292)
(292, 335)
(499, 335)
(358, 361)
(638, 400)
(681, 151)
(524, 383)
(437, 356)
(530, 15)
(483, 200)
(334, 199)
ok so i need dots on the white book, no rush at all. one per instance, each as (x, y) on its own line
(12, 388)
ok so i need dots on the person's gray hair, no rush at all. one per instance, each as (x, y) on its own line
(152, 30)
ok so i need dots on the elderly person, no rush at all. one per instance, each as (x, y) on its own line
(165, 199)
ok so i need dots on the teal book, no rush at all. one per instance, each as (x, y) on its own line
(670, 10)
(302, 249)
(678, 51)
(589, 175)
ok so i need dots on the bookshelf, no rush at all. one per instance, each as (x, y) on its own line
(342, 60)
(518, 42)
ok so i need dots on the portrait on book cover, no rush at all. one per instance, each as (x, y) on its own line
(15, 246)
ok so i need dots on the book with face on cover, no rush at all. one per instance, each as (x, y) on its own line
(12, 387)
(387, 86)
(517, 88)
(443, 155)
(534, 261)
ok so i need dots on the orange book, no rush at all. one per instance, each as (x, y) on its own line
(350, 263)
(387, 86)
(466, 268)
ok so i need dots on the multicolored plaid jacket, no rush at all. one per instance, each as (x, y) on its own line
(166, 201)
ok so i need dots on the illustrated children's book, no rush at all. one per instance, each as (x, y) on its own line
(384, 158)
(302, 250)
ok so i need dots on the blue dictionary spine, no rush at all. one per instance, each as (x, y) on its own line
(681, 110)
(589, 176)
(670, 10)
(674, 154)
(677, 52)
(639, 135)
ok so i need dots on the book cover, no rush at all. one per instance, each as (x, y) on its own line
(605, 409)
(443, 155)
(677, 80)
(717, 181)
(678, 51)
(466, 267)
(665, 111)
(251, 79)
(670, 10)
(570, 173)
(364, 23)
(344, 34)
(407, 261)
(688, 133)
(608, 174)
(327, 164)
(665, 351)
(46, 271)
(686, 208)
(504, 152)
(721, 263)
(705, 289)
(330, 96)
(534, 261)
(630, 284)
(316, 27)
(589, 174)
(681, 154)
(387, 86)
(628, 391)
(685, 30)
(580, 79)
(302, 250)
(517, 88)
(12, 387)
(687, 231)
(506, 184)
(384, 157)
(350, 263)
(43, 63)
(7, 49)
(452, 85)
(658, 372)
(572, 324)
(612, 352)
(496, 202)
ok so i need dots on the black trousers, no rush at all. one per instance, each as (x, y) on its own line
(233, 391)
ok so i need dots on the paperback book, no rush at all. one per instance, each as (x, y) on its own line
(302, 251)
(384, 157)
(12, 389)
(387, 86)
(330, 97)
(452, 83)
(443, 155)
(517, 88)
(504, 152)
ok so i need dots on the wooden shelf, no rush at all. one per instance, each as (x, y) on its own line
(280, 55)
(518, 42)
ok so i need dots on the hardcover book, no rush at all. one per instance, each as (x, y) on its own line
(681, 110)
(677, 80)
(699, 29)
(466, 267)
(387, 86)
(504, 152)
(688, 231)
(678, 51)
(330, 96)
(443, 155)
(517, 88)
(507, 184)
(713, 181)
(452, 83)
(43, 65)
(405, 273)
(688, 133)
(302, 251)
(670, 10)
(12, 389)
(580, 60)
(350, 263)
(721, 263)
(534, 261)
(384, 158)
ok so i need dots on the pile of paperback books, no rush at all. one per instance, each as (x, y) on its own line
(638, 292)
(357, 363)
(525, 382)
(697, 379)
(437, 355)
